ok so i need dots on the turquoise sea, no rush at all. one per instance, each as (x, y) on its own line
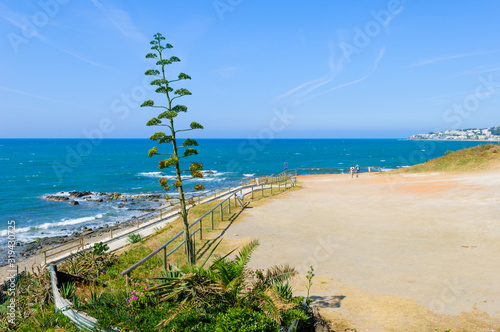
(33, 168)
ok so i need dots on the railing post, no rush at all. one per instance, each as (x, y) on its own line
(252, 192)
(215, 193)
(137, 220)
(229, 205)
(262, 190)
(379, 169)
(111, 232)
(201, 229)
(212, 219)
(185, 243)
(161, 214)
(221, 217)
(165, 258)
(271, 188)
(279, 185)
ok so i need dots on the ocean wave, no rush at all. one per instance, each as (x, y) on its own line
(249, 175)
(151, 174)
(48, 225)
(206, 173)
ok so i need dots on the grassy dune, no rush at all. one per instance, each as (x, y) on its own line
(478, 158)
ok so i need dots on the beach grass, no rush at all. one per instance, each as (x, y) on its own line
(473, 159)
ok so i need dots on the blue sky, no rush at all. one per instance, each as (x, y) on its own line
(268, 69)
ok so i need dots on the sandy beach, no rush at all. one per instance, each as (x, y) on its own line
(410, 252)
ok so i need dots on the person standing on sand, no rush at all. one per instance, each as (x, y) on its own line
(351, 170)
(357, 170)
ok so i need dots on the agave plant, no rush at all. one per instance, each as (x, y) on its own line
(227, 282)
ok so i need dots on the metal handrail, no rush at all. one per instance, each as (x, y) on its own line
(144, 218)
(198, 220)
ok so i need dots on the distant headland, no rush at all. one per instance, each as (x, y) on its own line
(473, 134)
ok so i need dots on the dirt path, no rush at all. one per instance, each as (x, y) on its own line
(390, 253)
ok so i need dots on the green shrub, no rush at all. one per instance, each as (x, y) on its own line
(244, 320)
(100, 248)
(134, 238)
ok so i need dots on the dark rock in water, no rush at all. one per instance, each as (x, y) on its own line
(121, 206)
(152, 196)
(56, 198)
(74, 203)
(79, 193)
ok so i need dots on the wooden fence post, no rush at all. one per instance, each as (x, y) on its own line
(262, 190)
(221, 217)
(252, 192)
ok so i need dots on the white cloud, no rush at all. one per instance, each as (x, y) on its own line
(304, 91)
(227, 72)
(122, 21)
(449, 57)
(29, 94)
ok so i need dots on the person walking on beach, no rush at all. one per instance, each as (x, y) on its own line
(357, 170)
(351, 170)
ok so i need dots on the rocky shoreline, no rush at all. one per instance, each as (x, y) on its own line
(143, 203)
(76, 197)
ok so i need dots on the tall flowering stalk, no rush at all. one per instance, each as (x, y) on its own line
(166, 119)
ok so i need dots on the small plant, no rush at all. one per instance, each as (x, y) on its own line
(134, 238)
(310, 275)
(68, 290)
(100, 248)
(285, 290)
(76, 302)
(94, 296)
